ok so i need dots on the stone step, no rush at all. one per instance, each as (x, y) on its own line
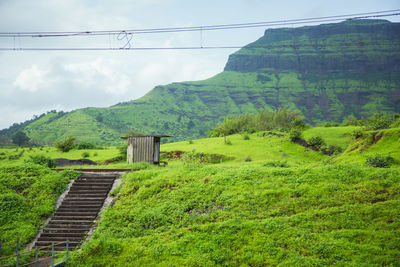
(83, 197)
(86, 183)
(87, 195)
(91, 184)
(70, 223)
(89, 188)
(76, 213)
(73, 218)
(73, 228)
(57, 239)
(83, 200)
(65, 231)
(57, 246)
(96, 176)
(78, 209)
(82, 204)
(63, 235)
(94, 184)
(98, 179)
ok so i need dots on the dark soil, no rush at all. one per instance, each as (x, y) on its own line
(304, 143)
(68, 162)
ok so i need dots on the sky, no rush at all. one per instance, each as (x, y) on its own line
(34, 82)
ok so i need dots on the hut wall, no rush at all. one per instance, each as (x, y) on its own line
(140, 149)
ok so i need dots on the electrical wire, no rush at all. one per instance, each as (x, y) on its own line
(394, 12)
(352, 44)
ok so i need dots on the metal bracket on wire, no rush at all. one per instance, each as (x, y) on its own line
(127, 37)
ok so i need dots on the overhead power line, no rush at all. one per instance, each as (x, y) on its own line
(386, 13)
(125, 36)
(343, 44)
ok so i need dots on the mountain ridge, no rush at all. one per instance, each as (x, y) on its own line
(327, 72)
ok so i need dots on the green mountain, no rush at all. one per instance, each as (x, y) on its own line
(327, 72)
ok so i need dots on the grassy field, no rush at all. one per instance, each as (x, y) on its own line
(28, 194)
(251, 214)
(97, 155)
(270, 202)
(287, 206)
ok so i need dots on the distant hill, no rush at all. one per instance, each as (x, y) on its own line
(327, 72)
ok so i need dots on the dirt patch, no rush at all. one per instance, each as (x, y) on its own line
(274, 134)
(304, 143)
(68, 162)
(116, 159)
(172, 154)
(375, 139)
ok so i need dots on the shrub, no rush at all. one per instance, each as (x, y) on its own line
(228, 142)
(85, 154)
(334, 149)
(330, 124)
(351, 120)
(264, 120)
(42, 160)
(85, 145)
(16, 156)
(122, 151)
(247, 159)
(316, 141)
(191, 159)
(277, 163)
(378, 122)
(357, 133)
(66, 145)
(379, 161)
(294, 135)
(246, 137)
(190, 142)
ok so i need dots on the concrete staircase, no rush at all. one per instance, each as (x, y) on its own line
(77, 212)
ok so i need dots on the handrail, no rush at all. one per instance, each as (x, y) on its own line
(53, 244)
(36, 254)
(42, 259)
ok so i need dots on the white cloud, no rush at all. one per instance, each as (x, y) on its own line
(90, 74)
(31, 79)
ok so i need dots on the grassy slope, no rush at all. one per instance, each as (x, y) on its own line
(246, 213)
(28, 194)
(369, 146)
(102, 154)
(327, 82)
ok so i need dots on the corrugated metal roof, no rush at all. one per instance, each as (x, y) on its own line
(159, 136)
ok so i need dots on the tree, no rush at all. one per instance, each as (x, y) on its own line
(20, 139)
(66, 145)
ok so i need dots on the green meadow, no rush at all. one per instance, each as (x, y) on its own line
(256, 200)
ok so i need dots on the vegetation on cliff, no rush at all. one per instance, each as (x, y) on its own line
(327, 72)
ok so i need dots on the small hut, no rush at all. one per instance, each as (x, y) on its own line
(143, 149)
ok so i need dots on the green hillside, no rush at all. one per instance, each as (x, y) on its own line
(287, 206)
(269, 201)
(328, 72)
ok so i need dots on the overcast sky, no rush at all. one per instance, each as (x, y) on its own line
(33, 82)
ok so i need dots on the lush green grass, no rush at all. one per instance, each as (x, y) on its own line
(259, 147)
(97, 155)
(305, 69)
(28, 194)
(248, 214)
(340, 136)
(305, 211)
(382, 142)
(287, 205)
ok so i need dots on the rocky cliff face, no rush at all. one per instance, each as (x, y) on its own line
(327, 72)
(359, 46)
